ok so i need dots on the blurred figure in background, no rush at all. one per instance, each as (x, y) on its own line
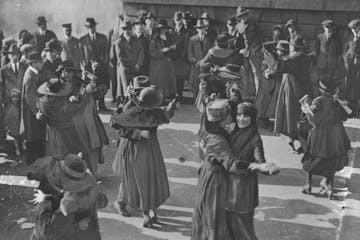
(42, 35)
(70, 46)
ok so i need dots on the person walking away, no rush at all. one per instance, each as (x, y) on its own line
(328, 143)
(42, 35)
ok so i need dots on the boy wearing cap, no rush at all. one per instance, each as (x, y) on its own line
(95, 56)
(70, 46)
(11, 76)
(42, 35)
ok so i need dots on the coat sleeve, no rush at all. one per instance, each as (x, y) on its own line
(31, 96)
(155, 50)
(121, 56)
(316, 108)
(258, 153)
(218, 149)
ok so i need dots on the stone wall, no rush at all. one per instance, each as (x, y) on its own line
(308, 13)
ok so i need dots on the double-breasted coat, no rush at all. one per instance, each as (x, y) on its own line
(42, 39)
(71, 50)
(197, 50)
(129, 54)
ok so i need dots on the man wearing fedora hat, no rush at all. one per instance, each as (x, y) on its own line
(189, 23)
(70, 46)
(199, 45)
(352, 61)
(130, 57)
(42, 35)
(150, 22)
(95, 52)
(11, 76)
(33, 128)
(139, 33)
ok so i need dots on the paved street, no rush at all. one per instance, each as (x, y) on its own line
(284, 213)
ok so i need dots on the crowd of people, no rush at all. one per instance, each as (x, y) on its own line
(53, 89)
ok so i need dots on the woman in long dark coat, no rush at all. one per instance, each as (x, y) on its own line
(328, 143)
(209, 217)
(162, 72)
(140, 164)
(243, 192)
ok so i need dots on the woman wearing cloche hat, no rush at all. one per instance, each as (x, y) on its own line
(139, 161)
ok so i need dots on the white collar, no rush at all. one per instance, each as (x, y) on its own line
(92, 36)
(34, 70)
(13, 66)
(42, 32)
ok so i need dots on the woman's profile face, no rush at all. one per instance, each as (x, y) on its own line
(242, 120)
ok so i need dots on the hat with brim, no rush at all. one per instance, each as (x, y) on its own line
(289, 23)
(138, 117)
(41, 20)
(217, 110)
(90, 22)
(33, 56)
(241, 11)
(328, 23)
(149, 98)
(354, 23)
(66, 25)
(162, 24)
(230, 71)
(45, 88)
(69, 173)
(150, 15)
(141, 82)
(205, 15)
(283, 45)
(68, 65)
(329, 83)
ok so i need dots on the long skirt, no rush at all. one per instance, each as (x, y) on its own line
(143, 178)
(241, 225)
(209, 218)
(266, 97)
(325, 167)
(62, 141)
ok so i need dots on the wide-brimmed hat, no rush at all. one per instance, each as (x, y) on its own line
(34, 56)
(200, 24)
(328, 23)
(13, 49)
(66, 25)
(231, 71)
(149, 98)
(205, 15)
(68, 65)
(283, 45)
(178, 15)
(40, 20)
(290, 22)
(297, 41)
(141, 82)
(53, 45)
(328, 83)
(162, 24)
(354, 23)
(54, 87)
(126, 25)
(241, 11)
(90, 22)
(70, 174)
(217, 110)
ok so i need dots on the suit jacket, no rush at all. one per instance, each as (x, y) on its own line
(328, 52)
(34, 128)
(145, 43)
(71, 50)
(352, 54)
(129, 53)
(97, 49)
(9, 80)
(40, 40)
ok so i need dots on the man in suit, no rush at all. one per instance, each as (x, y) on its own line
(95, 58)
(352, 61)
(11, 76)
(198, 47)
(70, 46)
(149, 24)
(130, 57)
(328, 50)
(52, 59)
(180, 38)
(34, 129)
(139, 28)
(42, 35)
